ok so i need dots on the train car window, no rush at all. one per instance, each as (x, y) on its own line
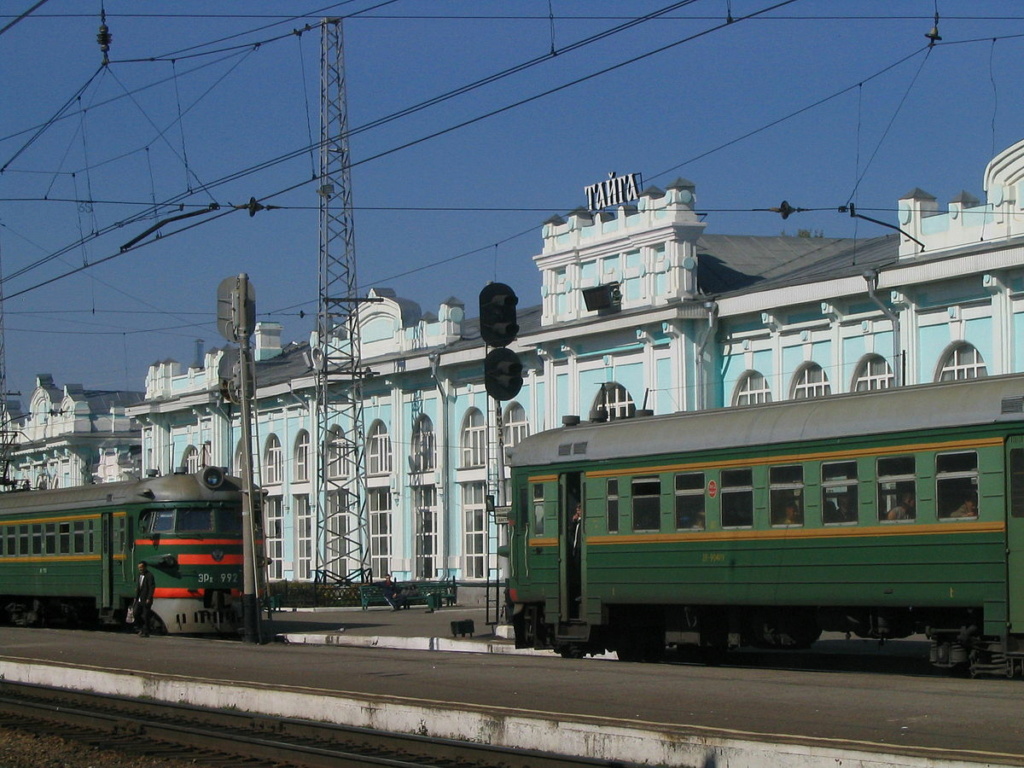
(1017, 482)
(163, 521)
(538, 509)
(64, 538)
(956, 485)
(229, 521)
(737, 498)
(613, 506)
(897, 488)
(146, 521)
(24, 545)
(786, 494)
(690, 501)
(194, 519)
(646, 504)
(37, 539)
(51, 538)
(839, 493)
(78, 538)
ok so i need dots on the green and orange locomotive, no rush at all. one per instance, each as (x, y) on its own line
(68, 557)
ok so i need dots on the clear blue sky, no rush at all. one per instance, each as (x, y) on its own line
(818, 102)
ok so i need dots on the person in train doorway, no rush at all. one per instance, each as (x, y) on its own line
(577, 524)
(392, 595)
(574, 573)
(145, 586)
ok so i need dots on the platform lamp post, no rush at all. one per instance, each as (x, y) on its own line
(236, 321)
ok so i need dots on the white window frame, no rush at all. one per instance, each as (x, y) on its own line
(475, 531)
(516, 427)
(474, 439)
(301, 471)
(378, 450)
(810, 381)
(303, 515)
(963, 361)
(873, 372)
(423, 449)
(273, 461)
(752, 389)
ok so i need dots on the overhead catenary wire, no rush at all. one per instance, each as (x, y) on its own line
(422, 105)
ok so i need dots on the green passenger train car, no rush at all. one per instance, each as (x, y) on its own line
(68, 557)
(883, 514)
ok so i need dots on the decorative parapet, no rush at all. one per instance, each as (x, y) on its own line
(966, 220)
(646, 251)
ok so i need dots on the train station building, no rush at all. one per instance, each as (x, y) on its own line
(641, 308)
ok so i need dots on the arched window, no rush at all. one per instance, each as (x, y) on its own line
(515, 425)
(873, 372)
(273, 461)
(423, 451)
(752, 389)
(614, 402)
(474, 439)
(301, 470)
(963, 361)
(378, 449)
(335, 453)
(810, 381)
(190, 460)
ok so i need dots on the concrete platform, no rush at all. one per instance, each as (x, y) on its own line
(636, 714)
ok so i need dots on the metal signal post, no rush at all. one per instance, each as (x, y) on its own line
(236, 321)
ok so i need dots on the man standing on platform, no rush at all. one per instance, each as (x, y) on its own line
(144, 588)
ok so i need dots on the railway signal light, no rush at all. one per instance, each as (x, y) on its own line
(503, 374)
(498, 327)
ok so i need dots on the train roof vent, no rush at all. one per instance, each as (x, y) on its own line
(565, 449)
(579, 448)
(1013, 404)
(570, 421)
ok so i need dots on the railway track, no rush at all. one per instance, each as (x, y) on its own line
(225, 737)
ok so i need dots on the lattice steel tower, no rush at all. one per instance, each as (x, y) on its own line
(341, 517)
(7, 431)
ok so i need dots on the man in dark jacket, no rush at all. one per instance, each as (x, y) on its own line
(145, 585)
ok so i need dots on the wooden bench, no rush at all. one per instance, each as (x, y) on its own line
(432, 594)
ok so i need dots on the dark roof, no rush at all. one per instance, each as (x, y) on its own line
(734, 264)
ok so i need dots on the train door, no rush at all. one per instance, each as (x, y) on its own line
(106, 560)
(572, 532)
(1015, 533)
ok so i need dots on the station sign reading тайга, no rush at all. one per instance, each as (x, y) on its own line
(617, 190)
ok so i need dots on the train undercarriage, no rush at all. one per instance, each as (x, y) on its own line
(214, 613)
(648, 632)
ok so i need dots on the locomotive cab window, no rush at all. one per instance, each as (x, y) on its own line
(646, 504)
(839, 493)
(787, 495)
(162, 521)
(897, 488)
(956, 485)
(690, 501)
(194, 520)
(737, 498)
